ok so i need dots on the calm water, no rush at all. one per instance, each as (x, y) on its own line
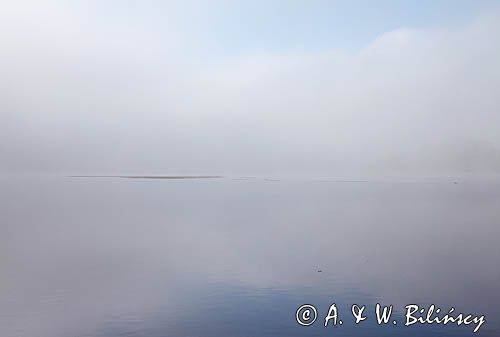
(222, 257)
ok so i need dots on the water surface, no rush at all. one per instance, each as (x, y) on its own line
(236, 256)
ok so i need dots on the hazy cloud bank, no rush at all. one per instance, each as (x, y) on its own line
(87, 93)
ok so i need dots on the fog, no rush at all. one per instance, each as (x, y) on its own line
(116, 91)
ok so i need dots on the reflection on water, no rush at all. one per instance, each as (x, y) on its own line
(237, 257)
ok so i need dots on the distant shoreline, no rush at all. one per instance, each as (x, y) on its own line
(151, 177)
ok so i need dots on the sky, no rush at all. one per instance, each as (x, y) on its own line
(337, 88)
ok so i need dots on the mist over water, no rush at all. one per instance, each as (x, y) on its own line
(109, 256)
(203, 168)
(91, 90)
